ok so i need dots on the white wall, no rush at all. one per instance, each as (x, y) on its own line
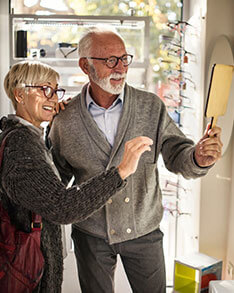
(4, 55)
(230, 238)
(217, 195)
(216, 237)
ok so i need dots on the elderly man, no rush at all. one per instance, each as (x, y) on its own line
(89, 136)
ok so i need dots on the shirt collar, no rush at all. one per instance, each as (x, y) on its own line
(90, 100)
(39, 131)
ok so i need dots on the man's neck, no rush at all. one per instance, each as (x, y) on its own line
(101, 97)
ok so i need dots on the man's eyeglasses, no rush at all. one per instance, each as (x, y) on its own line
(112, 61)
(49, 91)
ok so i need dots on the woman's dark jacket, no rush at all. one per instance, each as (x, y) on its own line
(29, 184)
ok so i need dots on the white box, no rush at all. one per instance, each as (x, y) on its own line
(225, 286)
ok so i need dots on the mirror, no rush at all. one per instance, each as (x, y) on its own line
(222, 54)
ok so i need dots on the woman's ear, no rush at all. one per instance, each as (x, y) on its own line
(19, 96)
(84, 65)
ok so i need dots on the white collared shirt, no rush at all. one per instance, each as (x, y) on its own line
(107, 119)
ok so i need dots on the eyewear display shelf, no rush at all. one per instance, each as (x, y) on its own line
(53, 39)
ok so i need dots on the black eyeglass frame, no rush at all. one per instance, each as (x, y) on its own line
(117, 60)
(44, 87)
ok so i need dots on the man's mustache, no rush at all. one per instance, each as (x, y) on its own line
(117, 75)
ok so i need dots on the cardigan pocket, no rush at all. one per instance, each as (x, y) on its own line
(150, 177)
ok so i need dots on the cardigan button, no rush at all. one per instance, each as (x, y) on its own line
(112, 231)
(127, 199)
(129, 230)
(109, 201)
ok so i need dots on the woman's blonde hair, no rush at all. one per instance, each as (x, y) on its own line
(27, 73)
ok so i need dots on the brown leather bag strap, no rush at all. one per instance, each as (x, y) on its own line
(36, 222)
(36, 219)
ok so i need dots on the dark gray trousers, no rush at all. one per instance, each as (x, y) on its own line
(142, 258)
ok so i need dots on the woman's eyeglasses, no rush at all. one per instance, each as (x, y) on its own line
(49, 91)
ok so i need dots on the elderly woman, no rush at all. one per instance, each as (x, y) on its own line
(29, 178)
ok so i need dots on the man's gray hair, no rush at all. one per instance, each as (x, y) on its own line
(85, 43)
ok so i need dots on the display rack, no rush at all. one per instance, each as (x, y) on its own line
(55, 30)
(180, 224)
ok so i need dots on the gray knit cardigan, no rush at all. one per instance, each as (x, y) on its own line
(145, 114)
(28, 184)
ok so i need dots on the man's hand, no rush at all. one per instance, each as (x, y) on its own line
(209, 148)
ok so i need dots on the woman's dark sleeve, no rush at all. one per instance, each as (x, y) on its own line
(30, 182)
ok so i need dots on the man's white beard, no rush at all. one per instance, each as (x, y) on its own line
(105, 84)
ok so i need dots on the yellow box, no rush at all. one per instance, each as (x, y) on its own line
(192, 273)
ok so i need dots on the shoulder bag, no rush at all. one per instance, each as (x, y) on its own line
(21, 259)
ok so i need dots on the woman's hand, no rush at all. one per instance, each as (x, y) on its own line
(62, 105)
(133, 150)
